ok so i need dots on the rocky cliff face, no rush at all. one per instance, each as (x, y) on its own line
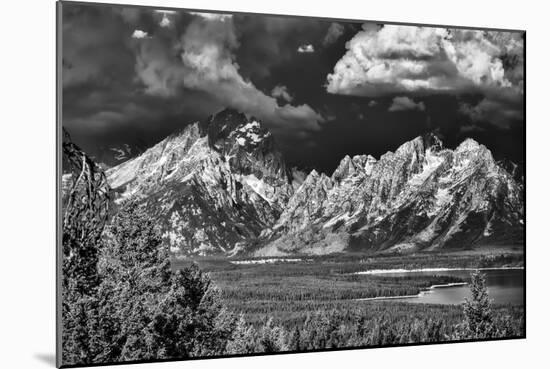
(221, 187)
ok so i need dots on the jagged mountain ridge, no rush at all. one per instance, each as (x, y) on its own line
(220, 186)
(422, 196)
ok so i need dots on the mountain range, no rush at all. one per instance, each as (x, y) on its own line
(221, 187)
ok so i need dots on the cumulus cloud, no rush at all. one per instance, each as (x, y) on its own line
(393, 59)
(372, 103)
(335, 30)
(139, 34)
(281, 92)
(401, 103)
(205, 62)
(306, 48)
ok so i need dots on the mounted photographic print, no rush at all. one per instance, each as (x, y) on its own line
(244, 184)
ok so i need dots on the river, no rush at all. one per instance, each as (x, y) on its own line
(505, 286)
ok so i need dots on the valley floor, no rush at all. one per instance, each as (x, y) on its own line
(295, 290)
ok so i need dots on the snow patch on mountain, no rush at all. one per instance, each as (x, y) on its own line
(258, 186)
(443, 196)
(432, 161)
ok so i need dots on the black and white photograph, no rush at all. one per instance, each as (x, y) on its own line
(240, 184)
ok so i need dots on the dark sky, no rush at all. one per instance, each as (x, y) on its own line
(325, 89)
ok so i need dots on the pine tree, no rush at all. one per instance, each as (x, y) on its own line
(477, 311)
(272, 338)
(134, 270)
(243, 340)
(146, 311)
(85, 209)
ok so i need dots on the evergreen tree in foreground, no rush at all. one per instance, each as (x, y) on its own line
(145, 310)
(272, 338)
(243, 339)
(85, 202)
(477, 311)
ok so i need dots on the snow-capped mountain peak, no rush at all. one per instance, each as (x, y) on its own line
(220, 186)
(251, 134)
(212, 185)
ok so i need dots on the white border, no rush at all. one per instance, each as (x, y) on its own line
(27, 158)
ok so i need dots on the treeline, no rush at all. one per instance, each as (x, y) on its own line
(327, 287)
(347, 263)
(332, 329)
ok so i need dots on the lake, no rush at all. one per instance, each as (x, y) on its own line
(505, 287)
